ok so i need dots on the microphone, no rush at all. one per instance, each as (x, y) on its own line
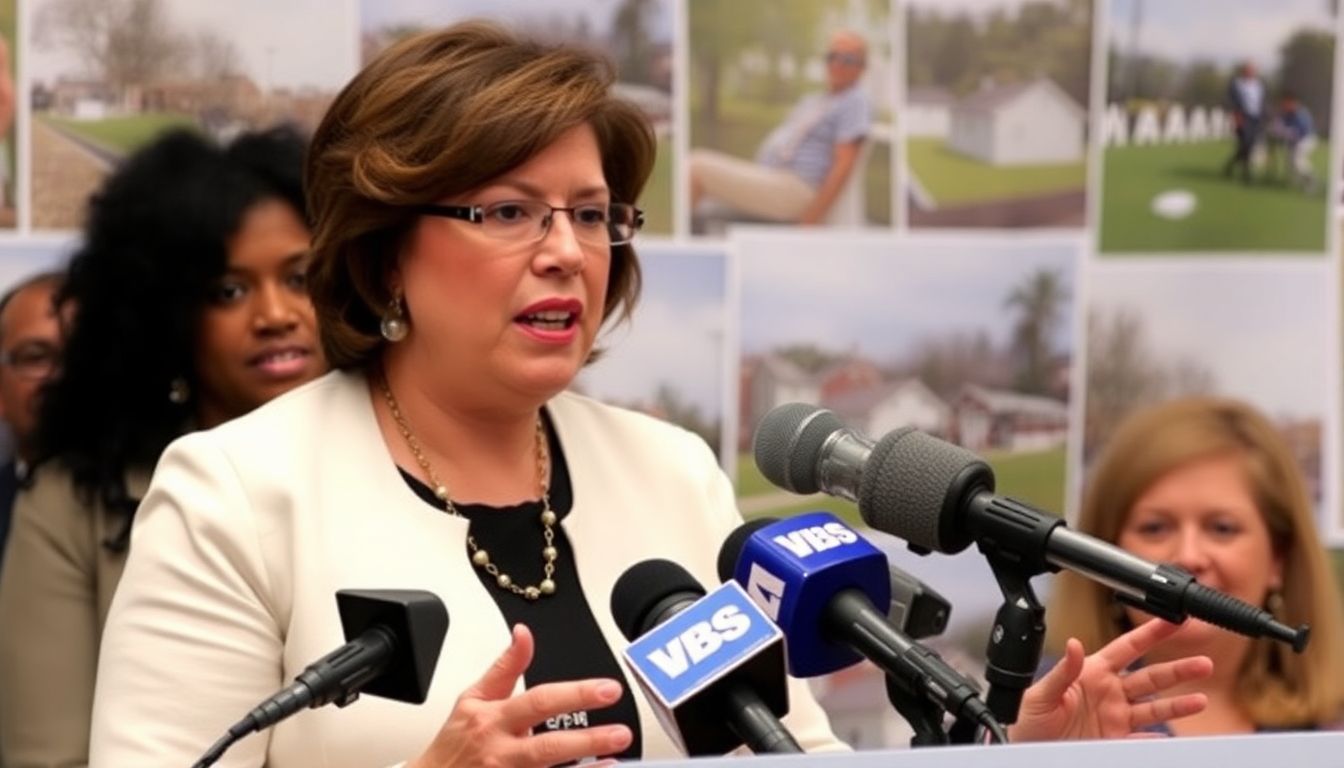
(712, 665)
(820, 581)
(916, 609)
(397, 638)
(940, 497)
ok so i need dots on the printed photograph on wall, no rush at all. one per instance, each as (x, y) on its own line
(969, 340)
(668, 360)
(105, 76)
(1254, 331)
(995, 117)
(791, 113)
(1216, 126)
(9, 94)
(636, 35)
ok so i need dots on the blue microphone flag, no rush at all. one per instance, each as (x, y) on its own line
(793, 567)
(699, 646)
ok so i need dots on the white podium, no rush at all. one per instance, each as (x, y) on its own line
(1270, 750)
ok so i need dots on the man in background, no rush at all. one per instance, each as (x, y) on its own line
(30, 348)
(805, 162)
(1246, 102)
(1298, 132)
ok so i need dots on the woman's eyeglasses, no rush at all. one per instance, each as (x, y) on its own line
(528, 221)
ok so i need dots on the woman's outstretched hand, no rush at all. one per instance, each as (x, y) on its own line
(489, 726)
(1094, 697)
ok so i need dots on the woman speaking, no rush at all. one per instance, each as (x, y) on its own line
(473, 201)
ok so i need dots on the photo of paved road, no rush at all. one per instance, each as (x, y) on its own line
(104, 78)
(65, 172)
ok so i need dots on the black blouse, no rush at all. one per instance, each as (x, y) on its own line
(569, 644)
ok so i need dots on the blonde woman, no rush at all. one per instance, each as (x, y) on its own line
(1210, 485)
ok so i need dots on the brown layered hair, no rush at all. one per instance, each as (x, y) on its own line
(1276, 687)
(435, 116)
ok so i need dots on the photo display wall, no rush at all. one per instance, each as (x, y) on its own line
(1051, 214)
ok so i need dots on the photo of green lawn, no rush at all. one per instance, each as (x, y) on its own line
(751, 62)
(8, 137)
(995, 113)
(1218, 143)
(122, 134)
(1266, 215)
(104, 78)
(950, 178)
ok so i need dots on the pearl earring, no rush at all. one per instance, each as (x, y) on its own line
(178, 391)
(394, 326)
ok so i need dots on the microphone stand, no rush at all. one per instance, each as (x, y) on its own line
(1012, 658)
(1013, 653)
(1013, 538)
(923, 715)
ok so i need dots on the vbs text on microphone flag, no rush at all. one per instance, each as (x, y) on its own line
(821, 582)
(711, 665)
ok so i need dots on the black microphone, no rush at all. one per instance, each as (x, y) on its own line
(939, 497)
(916, 609)
(742, 695)
(397, 638)
(820, 598)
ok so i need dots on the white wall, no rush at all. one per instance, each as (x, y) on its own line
(909, 406)
(1037, 127)
(972, 133)
(927, 120)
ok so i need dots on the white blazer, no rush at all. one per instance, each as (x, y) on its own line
(249, 529)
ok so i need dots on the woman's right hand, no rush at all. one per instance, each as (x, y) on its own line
(491, 727)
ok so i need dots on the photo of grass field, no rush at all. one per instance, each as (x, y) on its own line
(995, 113)
(952, 179)
(1226, 216)
(1218, 142)
(751, 63)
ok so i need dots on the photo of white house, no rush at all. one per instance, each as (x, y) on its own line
(1019, 124)
(996, 97)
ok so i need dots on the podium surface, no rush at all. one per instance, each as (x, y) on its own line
(1269, 750)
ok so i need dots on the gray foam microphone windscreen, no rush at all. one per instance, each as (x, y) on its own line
(912, 487)
(788, 444)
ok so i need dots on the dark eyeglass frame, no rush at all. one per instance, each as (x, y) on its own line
(848, 59)
(476, 215)
(47, 361)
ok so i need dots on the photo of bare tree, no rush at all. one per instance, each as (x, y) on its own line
(1253, 331)
(969, 340)
(108, 75)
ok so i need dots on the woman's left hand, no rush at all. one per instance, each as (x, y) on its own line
(1094, 697)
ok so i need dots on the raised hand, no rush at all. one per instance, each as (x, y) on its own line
(489, 726)
(1094, 697)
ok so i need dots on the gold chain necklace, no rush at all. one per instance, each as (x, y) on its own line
(480, 557)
